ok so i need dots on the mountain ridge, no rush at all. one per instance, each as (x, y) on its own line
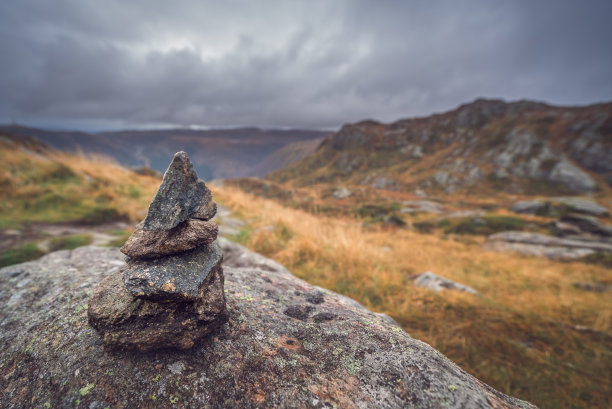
(515, 147)
(217, 153)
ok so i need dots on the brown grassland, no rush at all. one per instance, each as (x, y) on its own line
(530, 333)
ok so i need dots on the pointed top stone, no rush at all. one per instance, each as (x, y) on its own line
(178, 197)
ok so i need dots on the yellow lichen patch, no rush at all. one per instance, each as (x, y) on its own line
(168, 287)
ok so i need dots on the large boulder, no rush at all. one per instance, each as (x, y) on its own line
(286, 344)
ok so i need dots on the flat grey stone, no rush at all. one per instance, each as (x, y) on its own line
(173, 278)
(435, 282)
(178, 197)
(582, 205)
(192, 233)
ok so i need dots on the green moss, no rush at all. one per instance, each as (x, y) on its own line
(69, 242)
(26, 252)
(86, 389)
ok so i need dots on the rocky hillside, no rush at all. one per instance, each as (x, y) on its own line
(216, 153)
(519, 147)
(287, 344)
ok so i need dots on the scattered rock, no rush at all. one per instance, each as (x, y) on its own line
(437, 283)
(588, 224)
(582, 205)
(342, 193)
(170, 293)
(425, 206)
(157, 243)
(558, 205)
(530, 207)
(542, 245)
(342, 355)
(565, 229)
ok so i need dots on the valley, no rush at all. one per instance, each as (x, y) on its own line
(505, 269)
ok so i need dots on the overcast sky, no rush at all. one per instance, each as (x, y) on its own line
(117, 63)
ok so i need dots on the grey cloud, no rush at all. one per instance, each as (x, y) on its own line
(303, 64)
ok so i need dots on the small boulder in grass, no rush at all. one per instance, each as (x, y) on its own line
(170, 293)
(435, 282)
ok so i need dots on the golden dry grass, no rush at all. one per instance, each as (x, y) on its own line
(50, 186)
(530, 333)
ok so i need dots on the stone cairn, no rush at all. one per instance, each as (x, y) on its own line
(170, 293)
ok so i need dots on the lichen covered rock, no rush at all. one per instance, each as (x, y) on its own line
(130, 323)
(170, 293)
(178, 197)
(335, 354)
(178, 277)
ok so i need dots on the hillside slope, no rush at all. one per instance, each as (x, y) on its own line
(519, 147)
(40, 184)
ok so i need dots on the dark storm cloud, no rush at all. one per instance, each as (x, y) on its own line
(284, 63)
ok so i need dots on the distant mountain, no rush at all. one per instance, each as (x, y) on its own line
(218, 153)
(521, 147)
(286, 156)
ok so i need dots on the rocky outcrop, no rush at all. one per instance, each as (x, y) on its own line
(536, 244)
(170, 293)
(560, 205)
(518, 147)
(286, 344)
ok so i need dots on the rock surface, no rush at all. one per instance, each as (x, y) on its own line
(178, 277)
(559, 205)
(338, 355)
(125, 321)
(582, 205)
(178, 197)
(536, 244)
(588, 224)
(157, 243)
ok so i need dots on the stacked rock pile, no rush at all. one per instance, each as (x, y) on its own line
(170, 293)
